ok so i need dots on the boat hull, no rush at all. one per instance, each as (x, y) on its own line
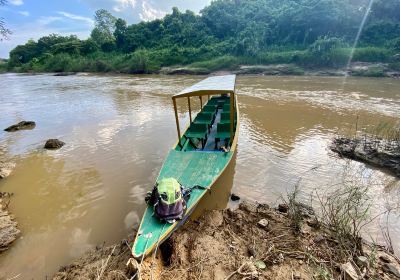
(190, 168)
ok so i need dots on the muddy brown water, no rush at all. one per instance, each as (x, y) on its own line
(118, 130)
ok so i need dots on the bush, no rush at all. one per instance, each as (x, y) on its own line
(57, 63)
(140, 62)
(394, 44)
(372, 54)
(280, 57)
(226, 62)
(325, 52)
(325, 45)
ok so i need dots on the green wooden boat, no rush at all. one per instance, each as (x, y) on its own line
(198, 157)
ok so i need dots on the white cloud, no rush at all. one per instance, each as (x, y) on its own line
(123, 5)
(43, 21)
(77, 17)
(149, 13)
(24, 13)
(16, 2)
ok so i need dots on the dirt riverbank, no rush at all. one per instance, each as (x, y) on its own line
(9, 231)
(8, 226)
(358, 69)
(377, 152)
(253, 241)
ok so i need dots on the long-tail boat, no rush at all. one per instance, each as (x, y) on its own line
(200, 155)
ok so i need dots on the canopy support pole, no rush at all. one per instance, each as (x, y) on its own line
(190, 110)
(177, 122)
(232, 115)
(201, 102)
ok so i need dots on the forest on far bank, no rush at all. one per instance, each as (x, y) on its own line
(226, 34)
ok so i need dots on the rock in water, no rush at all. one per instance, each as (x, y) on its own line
(6, 168)
(234, 197)
(53, 144)
(283, 208)
(20, 126)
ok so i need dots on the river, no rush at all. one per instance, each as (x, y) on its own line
(119, 128)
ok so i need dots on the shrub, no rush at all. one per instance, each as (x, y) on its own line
(324, 52)
(372, 54)
(394, 44)
(226, 62)
(280, 57)
(57, 63)
(139, 62)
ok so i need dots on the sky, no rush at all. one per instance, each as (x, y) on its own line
(32, 19)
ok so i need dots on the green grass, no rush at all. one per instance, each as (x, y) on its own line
(372, 54)
(226, 62)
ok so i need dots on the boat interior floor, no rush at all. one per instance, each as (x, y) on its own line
(210, 144)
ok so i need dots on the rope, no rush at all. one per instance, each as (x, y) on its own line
(141, 261)
(155, 252)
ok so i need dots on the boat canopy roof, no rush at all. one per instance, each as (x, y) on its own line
(210, 86)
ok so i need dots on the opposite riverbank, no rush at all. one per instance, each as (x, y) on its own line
(252, 241)
(356, 69)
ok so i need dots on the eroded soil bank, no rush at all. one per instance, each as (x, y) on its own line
(8, 227)
(253, 241)
(377, 152)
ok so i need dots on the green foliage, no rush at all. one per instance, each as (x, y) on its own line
(104, 27)
(372, 54)
(394, 44)
(224, 35)
(3, 65)
(325, 45)
(220, 63)
(140, 63)
(324, 52)
(88, 46)
(280, 57)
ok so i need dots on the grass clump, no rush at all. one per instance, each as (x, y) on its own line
(346, 212)
(372, 54)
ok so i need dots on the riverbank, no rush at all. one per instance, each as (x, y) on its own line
(8, 226)
(356, 69)
(253, 241)
(9, 231)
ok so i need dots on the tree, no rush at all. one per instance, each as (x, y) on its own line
(4, 31)
(120, 33)
(24, 53)
(46, 43)
(104, 27)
